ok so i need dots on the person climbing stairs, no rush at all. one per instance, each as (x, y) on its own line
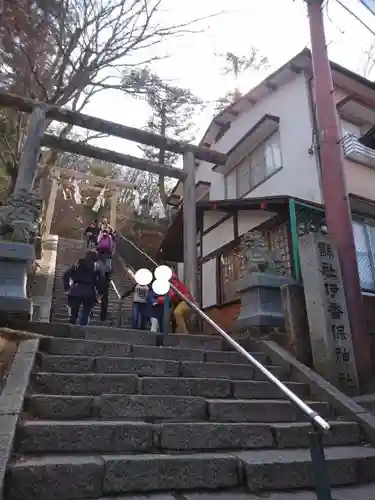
(68, 252)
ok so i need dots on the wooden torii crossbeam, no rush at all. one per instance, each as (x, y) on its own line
(102, 181)
(104, 126)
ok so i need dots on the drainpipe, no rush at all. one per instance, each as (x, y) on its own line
(338, 214)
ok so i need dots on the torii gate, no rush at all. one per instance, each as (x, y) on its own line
(57, 174)
(41, 113)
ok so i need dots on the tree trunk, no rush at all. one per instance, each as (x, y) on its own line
(163, 126)
(12, 182)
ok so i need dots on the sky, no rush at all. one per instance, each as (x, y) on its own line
(278, 28)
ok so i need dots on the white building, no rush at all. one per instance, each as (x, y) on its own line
(272, 172)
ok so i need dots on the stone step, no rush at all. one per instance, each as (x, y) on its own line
(155, 408)
(260, 410)
(66, 346)
(227, 370)
(123, 437)
(104, 364)
(193, 341)
(128, 336)
(85, 384)
(76, 347)
(151, 367)
(109, 383)
(43, 478)
(76, 476)
(218, 388)
(362, 492)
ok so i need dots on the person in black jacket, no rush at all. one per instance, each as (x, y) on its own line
(91, 234)
(83, 283)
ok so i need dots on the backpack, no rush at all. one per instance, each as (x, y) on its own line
(106, 242)
(85, 274)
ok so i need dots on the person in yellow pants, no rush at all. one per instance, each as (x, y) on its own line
(180, 313)
(181, 309)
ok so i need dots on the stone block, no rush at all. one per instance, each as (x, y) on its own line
(57, 477)
(75, 347)
(93, 384)
(15, 261)
(169, 472)
(204, 342)
(106, 334)
(212, 388)
(168, 353)
(217, 370)
(84, 437)
(232, 357)
(65, 364)
(296, 435)
(59, 330)
(152, 408)
(243, 389)
(142, 367)
(292, 469)
(213, 436)
(281, 372)
(60, 407)
(251, 411)
(17, 381)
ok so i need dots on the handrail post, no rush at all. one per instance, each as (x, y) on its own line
(319, 465)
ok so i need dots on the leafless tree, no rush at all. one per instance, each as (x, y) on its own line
(368, 61)
(63, 52)
(235, 65)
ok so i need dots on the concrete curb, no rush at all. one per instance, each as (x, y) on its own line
(342, 405)
(11, 400)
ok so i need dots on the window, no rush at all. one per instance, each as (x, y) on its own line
(257, 166)
(364, 238)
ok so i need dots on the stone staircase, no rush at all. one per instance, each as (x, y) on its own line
(68, 252)
(119, 413)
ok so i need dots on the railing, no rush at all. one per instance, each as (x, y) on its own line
(356, 151)
(319, 424)
(119, 312)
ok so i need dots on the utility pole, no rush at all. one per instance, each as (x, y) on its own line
(336, 200)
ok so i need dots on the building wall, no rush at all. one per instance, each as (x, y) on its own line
(291, 104)
(218, 237)
(360, 179)
(224, 316)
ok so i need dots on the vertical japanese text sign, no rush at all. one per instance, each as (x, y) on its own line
(330, 333)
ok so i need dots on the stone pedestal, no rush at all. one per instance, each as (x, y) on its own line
(15, 262)
(261, 304)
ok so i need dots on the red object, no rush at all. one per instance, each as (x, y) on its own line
(336, 200)
(263, 205)
(160, 300)
(180, 287)
(214, 206)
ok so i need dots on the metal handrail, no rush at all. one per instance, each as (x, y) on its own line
(319, 422)
(115, 289)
